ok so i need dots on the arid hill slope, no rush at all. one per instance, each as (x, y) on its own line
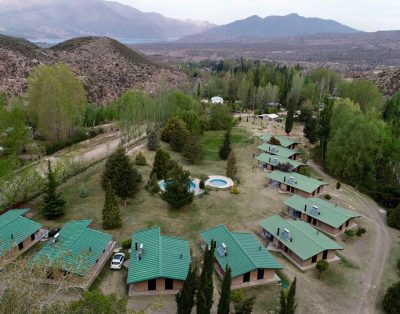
(106, 67)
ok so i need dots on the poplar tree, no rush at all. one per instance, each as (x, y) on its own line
(54, 204)
(111, 214)
(185, 299)
(206, 287)
(225, 298)
(225, 148)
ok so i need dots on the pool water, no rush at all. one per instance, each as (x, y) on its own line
(218, 182)
(193, 186)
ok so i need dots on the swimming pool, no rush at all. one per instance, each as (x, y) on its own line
(219, 182)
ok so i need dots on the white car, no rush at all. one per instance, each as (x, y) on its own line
(117, 261)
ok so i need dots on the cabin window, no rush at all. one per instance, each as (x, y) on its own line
(325, 254)
(169, 284)
(32, 236)
(260, 274)
(21, 245)
(152, 284)
(314, 259)
(246, 277)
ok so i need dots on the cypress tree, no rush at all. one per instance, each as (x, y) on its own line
(185, 299)
(231, 168)
(54, 204)
(152, 141)
(225, 148)
(152, 186)
(177, 189)
(124, 178)
(282, 302)
(179, 135)
(193, 150)
(311, 130)
(291, 298)
(206, 287)
(111, 214)
(161, 164)
(289, 120)
(225, 298)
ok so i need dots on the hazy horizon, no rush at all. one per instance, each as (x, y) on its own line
(367, 15)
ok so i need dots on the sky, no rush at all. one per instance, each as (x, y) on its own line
(366, 15)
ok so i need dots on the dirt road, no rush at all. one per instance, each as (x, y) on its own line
(373, 273)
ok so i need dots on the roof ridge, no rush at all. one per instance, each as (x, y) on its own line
(289, 222)
(238, 243)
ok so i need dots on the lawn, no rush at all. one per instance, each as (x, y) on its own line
(240, 212)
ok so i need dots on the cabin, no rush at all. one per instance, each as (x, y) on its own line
(295, 183)
(76, 250)
(217, 100)
(279, 151)
(299, 242)
(269, 162)
(250, 262)
(158, 265)
(325, 216)
(17, 234)
(286, 142)
(272, 117)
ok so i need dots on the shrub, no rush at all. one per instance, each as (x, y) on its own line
(234, 190)
(202, 184)
(172, 124)
(349, 234)
(305, 171)
(360, 231)
(327, 197)
(321, 267)
(236, 180)
(393, 217)
(391, 300)
(140, 160)
(127, 244)
(338, 185)
(83, 191)
(152, 185)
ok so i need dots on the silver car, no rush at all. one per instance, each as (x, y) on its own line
(117, 261)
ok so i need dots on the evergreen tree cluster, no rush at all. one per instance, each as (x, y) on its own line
(111, 214)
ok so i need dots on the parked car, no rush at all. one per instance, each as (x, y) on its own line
(117, 261)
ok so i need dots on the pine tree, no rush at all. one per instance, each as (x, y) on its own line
(161, 164)
(193, 150)
(152, 185)
(54, 204)
(282, 302)
(289, 120)
(311, 130)
(225, 149)
(206, 287)
(177, 189)
(124, 178)
(225, 298)
(391, 300)
(291, 298)
(140, 159)
(152, 141)
(185, 299)
(179, 135)
(111, 214)
(231, 168)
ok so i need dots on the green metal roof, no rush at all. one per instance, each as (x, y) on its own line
(76, 249)
(278, 150)
(306, 241)
(329, 213)
(285, 141)
(275, 159)
(245, 252)
(162, 256)
(296, 180)
(14, 228)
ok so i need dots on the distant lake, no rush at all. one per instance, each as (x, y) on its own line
(126, 41)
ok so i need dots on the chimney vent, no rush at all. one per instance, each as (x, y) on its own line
(277, 233)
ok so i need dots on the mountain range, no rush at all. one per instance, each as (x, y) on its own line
(63, 19)
(271, 27)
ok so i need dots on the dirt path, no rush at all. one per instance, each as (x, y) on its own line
(371, 281)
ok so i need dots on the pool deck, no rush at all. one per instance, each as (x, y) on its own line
(227, 186)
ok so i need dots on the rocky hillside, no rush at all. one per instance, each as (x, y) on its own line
(388, 81)
(106, 67)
